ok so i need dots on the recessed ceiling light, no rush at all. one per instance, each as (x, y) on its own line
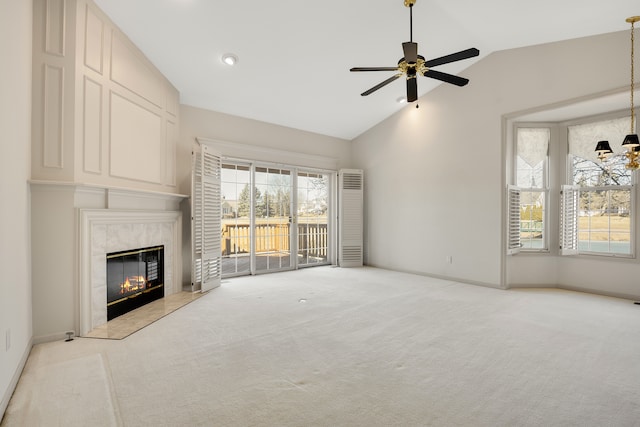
(229, 59)
(402, 100)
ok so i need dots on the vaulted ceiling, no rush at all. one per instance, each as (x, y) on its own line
(295, 56)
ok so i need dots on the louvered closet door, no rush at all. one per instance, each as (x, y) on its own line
(350, 218)
(206, 219)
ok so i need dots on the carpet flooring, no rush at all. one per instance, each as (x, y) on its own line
(350, 347)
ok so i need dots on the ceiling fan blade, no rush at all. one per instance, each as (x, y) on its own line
(379, 85)
(410, 52)
(458, 56)
(412, 90)
(447, 78)
(374, 69)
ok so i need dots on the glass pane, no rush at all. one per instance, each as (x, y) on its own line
(273, 215)
(313, 202)
(532, 215)
(587, 169)
(584, 137)
(589, 173)
(604, 224)
(235, 220)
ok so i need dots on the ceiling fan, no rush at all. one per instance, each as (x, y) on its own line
(413, 64)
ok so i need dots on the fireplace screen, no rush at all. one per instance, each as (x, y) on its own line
(134, 278)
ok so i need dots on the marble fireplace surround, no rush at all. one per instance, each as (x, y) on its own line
(103, 231)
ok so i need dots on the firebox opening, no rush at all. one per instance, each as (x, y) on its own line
(134, 278)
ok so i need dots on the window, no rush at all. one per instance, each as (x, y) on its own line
(605, 188)
(532, 152)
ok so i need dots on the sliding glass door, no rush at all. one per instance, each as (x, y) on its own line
(282, 224)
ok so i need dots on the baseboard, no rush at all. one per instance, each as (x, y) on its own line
(59, 336)
(441, 277)
(598, 292)
(530, 286)
(576, 289)
(14, 380)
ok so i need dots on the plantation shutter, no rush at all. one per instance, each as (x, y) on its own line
(513, 220)
(350, 219)
(206, 219)
(569, 197)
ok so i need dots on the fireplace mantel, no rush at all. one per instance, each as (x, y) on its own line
(116, 197)
(72, 222)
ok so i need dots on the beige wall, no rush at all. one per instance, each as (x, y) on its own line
(435, 175)
(15, 161)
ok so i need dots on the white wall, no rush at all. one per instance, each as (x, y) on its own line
(200, 123)
(434, 181)
(15, 151)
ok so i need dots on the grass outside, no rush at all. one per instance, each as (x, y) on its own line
(605, 227)
(602, 228)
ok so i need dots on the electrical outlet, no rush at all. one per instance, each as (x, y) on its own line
(8, 339)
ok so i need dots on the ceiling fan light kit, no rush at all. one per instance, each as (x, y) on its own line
(412, 65)
(631, 142)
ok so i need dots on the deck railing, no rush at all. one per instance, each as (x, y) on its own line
(274, 236)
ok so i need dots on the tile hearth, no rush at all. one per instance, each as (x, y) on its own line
(125, 325)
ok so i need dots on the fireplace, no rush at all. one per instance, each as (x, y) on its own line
(107, 231)
(134, 278)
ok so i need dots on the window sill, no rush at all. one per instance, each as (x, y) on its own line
(605, 255)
